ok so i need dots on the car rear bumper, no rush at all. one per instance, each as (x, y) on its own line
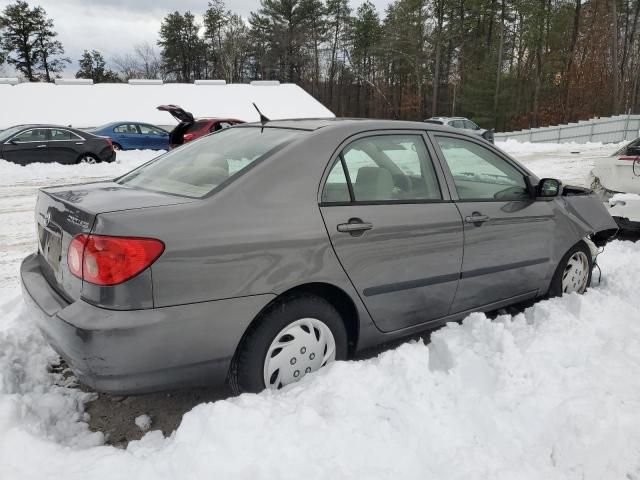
(138, 351)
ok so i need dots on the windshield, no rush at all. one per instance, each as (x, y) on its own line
(9, 132)
(196, 168)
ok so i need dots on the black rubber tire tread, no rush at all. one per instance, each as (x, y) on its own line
(246, 371)
(556, 282)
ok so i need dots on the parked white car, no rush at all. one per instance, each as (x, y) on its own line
(617, 179)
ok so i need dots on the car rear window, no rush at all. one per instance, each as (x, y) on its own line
(197, 168)
(197, 125)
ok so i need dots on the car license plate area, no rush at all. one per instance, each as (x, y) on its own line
(50, 244)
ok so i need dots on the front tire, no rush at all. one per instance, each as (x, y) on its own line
(292, 338)
(573, 273)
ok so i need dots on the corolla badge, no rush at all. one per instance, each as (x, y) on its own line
(77, 221)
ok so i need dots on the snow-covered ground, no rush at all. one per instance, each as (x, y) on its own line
(551, 393)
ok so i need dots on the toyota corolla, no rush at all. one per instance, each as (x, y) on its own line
(260, 253)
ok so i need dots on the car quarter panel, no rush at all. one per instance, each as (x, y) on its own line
(263, 234)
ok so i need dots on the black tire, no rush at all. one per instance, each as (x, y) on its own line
(556, 289)
(117, 147)
(246, 372)
(81, 158)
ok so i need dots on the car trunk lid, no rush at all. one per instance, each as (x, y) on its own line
(178, 113)
(64, 212)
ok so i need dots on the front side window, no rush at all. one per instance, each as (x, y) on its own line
(469, 125)
(197, 168)
(480, 174)
(33, 135)
(384, 168)
(127, 129)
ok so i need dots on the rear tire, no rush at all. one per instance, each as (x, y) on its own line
(88, 158)
(117, 147)
(573, 273)
(291, 338)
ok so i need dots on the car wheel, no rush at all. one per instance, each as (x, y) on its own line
(117, 147)
(573, 273)
(291, 339)
(88, 158)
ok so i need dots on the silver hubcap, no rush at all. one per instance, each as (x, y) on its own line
(300, 348)
(576, 273)
(88, 159)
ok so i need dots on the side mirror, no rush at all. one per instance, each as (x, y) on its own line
(548, 188)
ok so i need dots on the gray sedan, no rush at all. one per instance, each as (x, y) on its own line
(260, 253)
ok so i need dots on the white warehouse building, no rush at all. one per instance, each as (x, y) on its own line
(82, 104)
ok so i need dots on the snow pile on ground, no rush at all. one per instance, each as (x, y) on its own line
(39, 174)
(570, 162)
(552, 393)
(623, 198)
(516, 148)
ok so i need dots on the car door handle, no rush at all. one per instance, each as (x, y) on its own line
(41, 146)
(79, 143)
(354, 226)
(476, 218)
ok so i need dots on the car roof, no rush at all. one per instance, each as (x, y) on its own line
(312, 124)
(41, 125)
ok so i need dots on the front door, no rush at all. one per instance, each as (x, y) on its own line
(507, 233)
(29, 146)
(395, 231)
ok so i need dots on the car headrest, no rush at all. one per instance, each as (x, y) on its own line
(373, 183)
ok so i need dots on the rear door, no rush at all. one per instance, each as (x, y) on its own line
(28, 146)
(65, 146)
(394, 229)
(507, 233)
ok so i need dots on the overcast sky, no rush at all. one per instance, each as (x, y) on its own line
(115, 26)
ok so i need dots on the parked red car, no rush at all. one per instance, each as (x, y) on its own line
(191, 128)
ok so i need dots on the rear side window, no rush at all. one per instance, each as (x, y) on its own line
(383, 168)
(195, 169)
(62, 135)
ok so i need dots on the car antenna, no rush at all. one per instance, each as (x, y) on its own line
(263, 119)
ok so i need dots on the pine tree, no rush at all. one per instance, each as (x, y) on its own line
(93, 66)
(182, 48)
(29, 41)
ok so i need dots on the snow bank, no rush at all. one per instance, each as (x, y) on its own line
(46, 173)
(552, 393)
(93, 105)
(516, 148)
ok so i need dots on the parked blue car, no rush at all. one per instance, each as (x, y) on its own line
(134, 136)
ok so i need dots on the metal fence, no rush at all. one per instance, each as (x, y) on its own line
(606, 130)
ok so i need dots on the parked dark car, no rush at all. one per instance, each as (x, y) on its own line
(260, 253)
(24, 144)
(191, 128)
(134, 136)
(464, 124)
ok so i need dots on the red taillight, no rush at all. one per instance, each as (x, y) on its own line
(188, 137)
(106, 260)
(109, 141)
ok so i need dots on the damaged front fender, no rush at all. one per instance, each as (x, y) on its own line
(588, 214)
